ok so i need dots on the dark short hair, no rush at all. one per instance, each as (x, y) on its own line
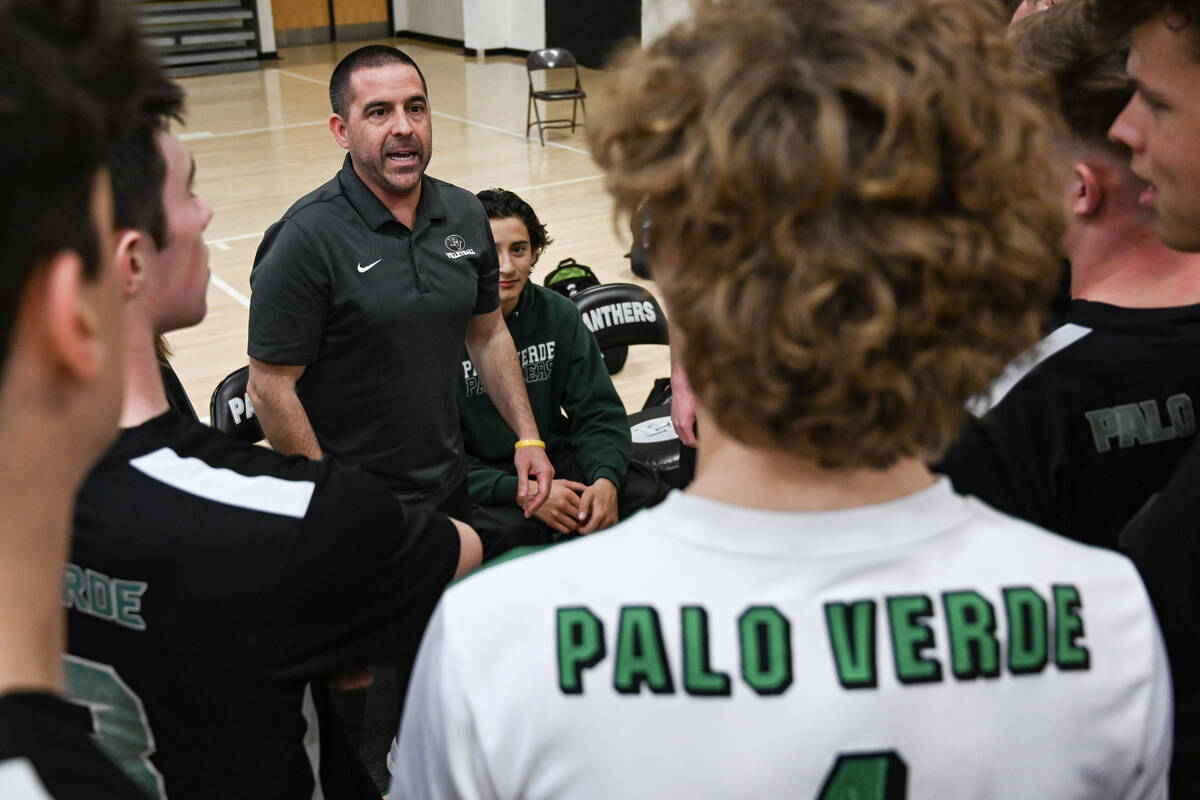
(72, 74)
(138, 167)
(502, 204)
(1119, 17)
(369, 57)
(1087, 71)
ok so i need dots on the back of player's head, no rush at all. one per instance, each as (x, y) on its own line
(502, 204)
(71, 74)
(138, 168)
(855, 215)
(369, 57)
(1118, 17)
(1064, 45)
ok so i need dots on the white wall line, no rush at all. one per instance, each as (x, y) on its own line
(229, 290)
(456, 119)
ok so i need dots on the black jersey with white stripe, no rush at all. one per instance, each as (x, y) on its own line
(1078, 434)
(210, 580)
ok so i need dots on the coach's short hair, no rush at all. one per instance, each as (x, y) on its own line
(72, 73)
(1087, 72)
(855, 215)
(369, 57)
(1118, 17)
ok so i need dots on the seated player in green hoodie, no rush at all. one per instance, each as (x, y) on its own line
(573, 399)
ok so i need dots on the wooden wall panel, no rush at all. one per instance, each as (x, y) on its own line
(356, 12)
(292, 14)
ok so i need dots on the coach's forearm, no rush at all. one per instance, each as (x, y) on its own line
(281, 414)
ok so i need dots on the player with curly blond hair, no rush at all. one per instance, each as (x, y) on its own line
(855, 225)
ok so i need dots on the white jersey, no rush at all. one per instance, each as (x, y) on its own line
(928, 647)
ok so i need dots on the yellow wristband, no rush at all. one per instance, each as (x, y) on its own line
(529, 443)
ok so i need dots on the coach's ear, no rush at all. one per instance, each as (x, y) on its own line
(1087, 194)
(337, 126)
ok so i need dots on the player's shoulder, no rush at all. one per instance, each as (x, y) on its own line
(181, 454)
(1040, 370)
(996, 538)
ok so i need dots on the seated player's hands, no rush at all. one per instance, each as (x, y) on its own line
(561, 509)
(598, 506)
(532, 462)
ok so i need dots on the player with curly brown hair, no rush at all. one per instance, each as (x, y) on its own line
(855, 219)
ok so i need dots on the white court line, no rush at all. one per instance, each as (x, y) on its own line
(556, 183)
(219, 242)
(229, 290)
(222, 246)
(302, 77)
(248, 131)
(456, 119)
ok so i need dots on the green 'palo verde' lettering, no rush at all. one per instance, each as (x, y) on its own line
(97, 595)
(852, 636)
(580, 646)
(766, 640)
(974, 645)
(971, 625)
(1068, 652)
(912, 637)
(641, 655)
(698, 676)
(640, 658)
(1026, 613)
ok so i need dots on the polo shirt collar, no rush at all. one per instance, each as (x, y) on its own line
(375, 213)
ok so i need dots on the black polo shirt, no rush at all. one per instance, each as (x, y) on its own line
(378, 314)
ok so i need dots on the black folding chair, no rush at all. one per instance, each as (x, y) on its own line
(553, 58)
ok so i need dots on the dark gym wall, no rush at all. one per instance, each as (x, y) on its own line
(591, 29)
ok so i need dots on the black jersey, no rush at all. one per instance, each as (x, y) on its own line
(209, 580)
(1090, 424)
(52, 736)
(1164, 542)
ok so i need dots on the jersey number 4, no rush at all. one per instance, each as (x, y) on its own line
(866, 776)
(118, 719)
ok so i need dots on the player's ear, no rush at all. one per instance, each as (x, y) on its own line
(131, 259)
(1087, 194)
(337, 126)
(70, 319)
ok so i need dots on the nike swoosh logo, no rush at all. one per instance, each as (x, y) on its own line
(361, 268)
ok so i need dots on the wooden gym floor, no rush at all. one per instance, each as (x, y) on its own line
(261, 141)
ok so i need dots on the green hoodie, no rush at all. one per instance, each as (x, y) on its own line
(573, 400)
